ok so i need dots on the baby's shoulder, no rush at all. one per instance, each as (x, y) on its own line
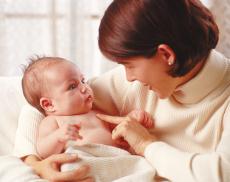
(48, 122)
(74, 118)
(49, 119)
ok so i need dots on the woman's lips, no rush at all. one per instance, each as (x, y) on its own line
(150, 87)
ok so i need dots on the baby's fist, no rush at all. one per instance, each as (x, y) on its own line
(69, 132)
(142, 117)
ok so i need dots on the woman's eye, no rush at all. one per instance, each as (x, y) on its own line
(129, 67)
(72, 86)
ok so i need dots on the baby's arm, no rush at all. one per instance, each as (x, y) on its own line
(52, 138)
(142, 117)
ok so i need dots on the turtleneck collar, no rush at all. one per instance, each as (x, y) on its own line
(204, 82)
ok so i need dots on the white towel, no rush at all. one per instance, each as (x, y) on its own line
(12, 169)
(109, 164)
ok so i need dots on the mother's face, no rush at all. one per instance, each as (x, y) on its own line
(151, 72)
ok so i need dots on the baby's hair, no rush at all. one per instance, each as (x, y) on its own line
(33, 83)
(30, 61)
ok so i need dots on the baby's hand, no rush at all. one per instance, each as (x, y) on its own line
(142, 117)
(69, 132)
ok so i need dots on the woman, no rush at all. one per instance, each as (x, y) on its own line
(166, 48)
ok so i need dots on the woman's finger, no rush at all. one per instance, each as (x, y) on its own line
(111, 119)
(63, 158)
(78, 174)
(118, 132)
(89, 179)
(77, 126)
(122, 143)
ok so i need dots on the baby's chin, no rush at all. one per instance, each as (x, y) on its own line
(84, 111)
(76, 112)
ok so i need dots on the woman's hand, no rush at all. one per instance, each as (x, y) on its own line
(49, 168)
(131, 131)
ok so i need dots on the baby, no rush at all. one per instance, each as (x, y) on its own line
(57, 88)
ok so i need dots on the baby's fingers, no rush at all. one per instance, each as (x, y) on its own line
(148, 121)
(73, 134)
(76, 126)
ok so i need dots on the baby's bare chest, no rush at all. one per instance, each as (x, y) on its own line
(92, 129)
(86, 121)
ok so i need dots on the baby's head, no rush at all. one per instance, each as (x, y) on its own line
(56, 86)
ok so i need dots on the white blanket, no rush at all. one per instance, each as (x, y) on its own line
(111, 164)
(12, 169)
(107, 164)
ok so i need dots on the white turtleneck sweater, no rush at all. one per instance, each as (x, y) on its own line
(192, 126)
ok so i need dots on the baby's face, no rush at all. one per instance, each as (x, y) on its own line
(67, 89)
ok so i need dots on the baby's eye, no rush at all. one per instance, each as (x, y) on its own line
(83, 80)
(72, 86)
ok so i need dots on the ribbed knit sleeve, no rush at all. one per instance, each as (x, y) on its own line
(110, 90)
(182, 166)
(26, 134)
(192, 126)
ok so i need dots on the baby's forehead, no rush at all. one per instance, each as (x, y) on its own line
(63, 70)
(67, 66)
(60, 65)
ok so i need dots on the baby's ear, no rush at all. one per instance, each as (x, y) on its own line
(46, 104)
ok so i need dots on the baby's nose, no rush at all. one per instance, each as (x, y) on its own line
(83, 88)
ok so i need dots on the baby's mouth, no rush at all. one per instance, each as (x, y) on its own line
(89, 98)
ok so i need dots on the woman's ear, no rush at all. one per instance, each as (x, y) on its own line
(167, 54)
(47, 104)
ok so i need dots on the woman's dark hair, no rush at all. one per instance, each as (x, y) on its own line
(131, 28)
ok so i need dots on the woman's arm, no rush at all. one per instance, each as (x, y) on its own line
(183, 166)
(49, 168)
(110, 91)
(172, 163)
